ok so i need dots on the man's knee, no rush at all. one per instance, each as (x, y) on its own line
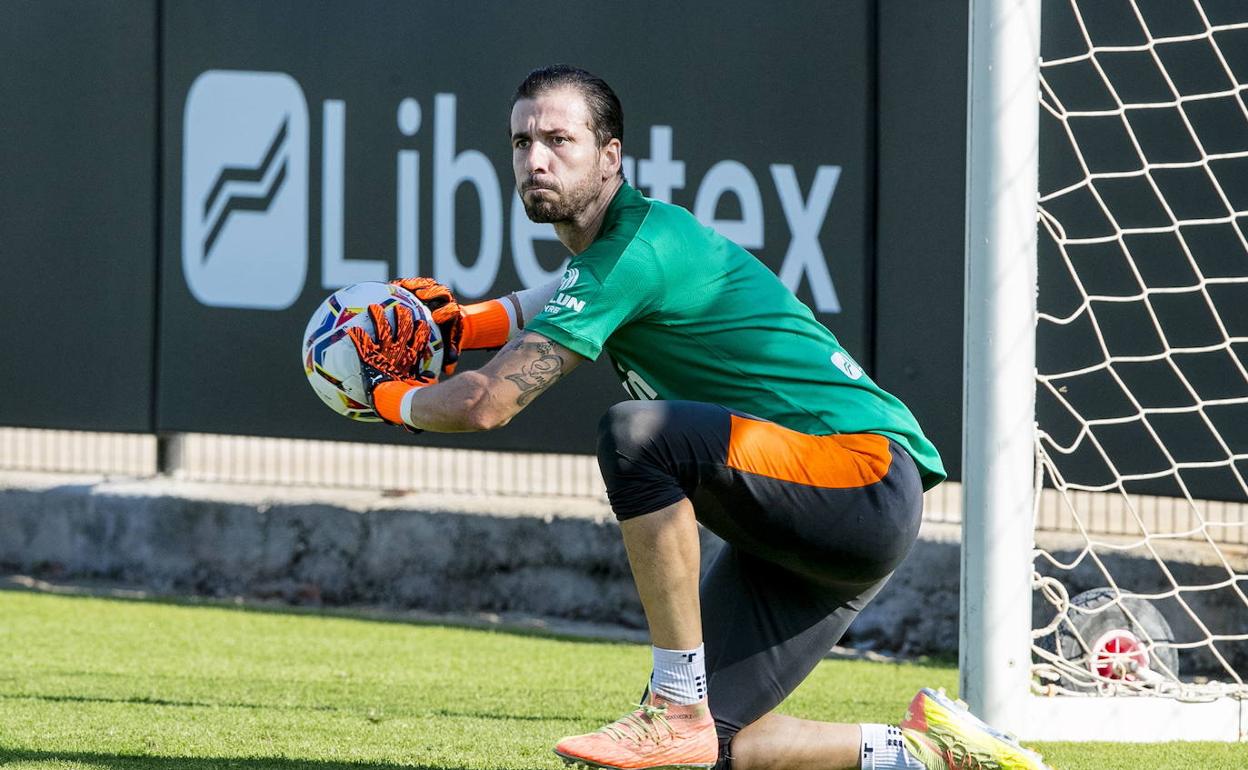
(627, 430)
(638, 460)
(667, 430)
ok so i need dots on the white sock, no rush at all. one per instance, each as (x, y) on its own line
(884, 749)
(679, 675)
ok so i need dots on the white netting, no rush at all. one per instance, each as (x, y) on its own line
(1142, 338)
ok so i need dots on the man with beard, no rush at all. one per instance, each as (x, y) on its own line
(751, 419)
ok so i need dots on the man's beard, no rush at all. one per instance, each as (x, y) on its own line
(567, 207)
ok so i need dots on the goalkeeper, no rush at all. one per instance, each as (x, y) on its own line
(750, 418)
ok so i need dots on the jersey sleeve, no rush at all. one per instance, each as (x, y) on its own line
(604, 287)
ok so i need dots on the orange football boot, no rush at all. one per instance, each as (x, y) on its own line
(659, 735)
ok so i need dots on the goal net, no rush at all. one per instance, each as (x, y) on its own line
(1141, 564)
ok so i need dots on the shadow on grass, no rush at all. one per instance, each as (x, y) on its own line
(147, 701)
(132, 762)
(486, 621)
(420, 714)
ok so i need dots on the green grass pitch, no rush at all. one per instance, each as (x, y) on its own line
(130, 685)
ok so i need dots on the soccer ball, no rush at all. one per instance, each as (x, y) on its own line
(329, 357)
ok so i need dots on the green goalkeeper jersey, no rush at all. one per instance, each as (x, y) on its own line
(687, 314)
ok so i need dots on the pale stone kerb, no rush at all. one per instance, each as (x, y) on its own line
(459, 554)
(37, 526)
(452, 556)
(316, 546)
(446, 562)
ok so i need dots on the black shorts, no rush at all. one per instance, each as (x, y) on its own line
(814, 526)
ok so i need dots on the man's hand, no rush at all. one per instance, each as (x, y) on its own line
(391, 363)
(491, 396)
(447, 314)
(483, 325)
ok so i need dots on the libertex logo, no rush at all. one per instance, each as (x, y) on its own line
(245, 189)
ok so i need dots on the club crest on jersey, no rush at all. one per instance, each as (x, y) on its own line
(847, 365)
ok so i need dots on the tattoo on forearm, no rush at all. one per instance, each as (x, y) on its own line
(516, 343)
(538, 375)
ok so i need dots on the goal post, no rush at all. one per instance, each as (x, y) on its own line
(999, 358)
(1106, 370)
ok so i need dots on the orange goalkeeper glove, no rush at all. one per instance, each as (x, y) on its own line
(391, 362)
(482, 325)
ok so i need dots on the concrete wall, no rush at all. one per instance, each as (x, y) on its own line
(554, 557)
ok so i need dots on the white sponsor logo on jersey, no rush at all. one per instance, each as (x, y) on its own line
(570, 277)
(570, 302)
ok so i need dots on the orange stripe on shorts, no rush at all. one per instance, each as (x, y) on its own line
(833, 462)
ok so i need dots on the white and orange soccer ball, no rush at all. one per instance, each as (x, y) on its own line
(329, 358)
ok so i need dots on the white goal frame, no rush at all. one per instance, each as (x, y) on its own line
(998, 460)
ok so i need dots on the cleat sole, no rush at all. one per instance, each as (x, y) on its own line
(959, 709)
(585, 764)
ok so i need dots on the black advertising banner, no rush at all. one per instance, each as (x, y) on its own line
(311, 146)
(920, 203)
(78, 213)
(189, 180)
